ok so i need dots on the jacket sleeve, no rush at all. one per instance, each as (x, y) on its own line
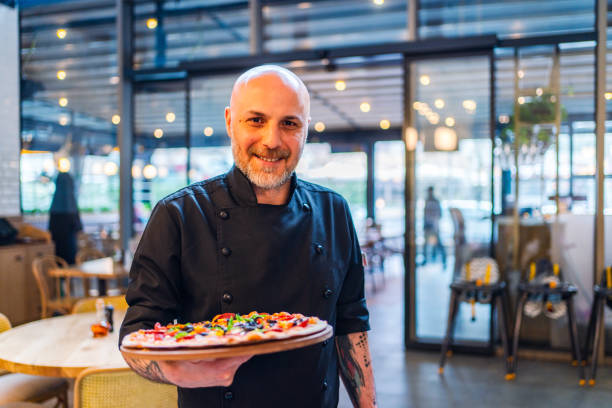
(352, 312)
(154, 289)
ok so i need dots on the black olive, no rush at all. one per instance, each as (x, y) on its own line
(271, 321)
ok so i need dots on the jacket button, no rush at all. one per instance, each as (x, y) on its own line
(327, 293)
(227, 297)
(319, 248)
(223, 215)
(306, 207)
(226, 251)
(228, 395)
(324, 385)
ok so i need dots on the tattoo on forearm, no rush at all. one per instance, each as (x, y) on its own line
(148, 369)
(355, 365)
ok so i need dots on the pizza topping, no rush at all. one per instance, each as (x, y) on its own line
(226, 329)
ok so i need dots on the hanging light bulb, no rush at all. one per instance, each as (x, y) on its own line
(411, 137)
(445, 139)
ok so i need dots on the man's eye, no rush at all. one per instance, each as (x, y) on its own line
(256, 120)
(289, 123)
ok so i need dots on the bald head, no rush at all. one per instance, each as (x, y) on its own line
(272, 77)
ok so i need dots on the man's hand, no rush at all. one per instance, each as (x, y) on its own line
(190, 374)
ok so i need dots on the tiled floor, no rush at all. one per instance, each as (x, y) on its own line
(410, 378)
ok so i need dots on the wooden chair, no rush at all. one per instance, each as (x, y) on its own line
(120, 388)
(16, 388)
(50, 289)
(84, 255)
(89, 305)
(87, 254)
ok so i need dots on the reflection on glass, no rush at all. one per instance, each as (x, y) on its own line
(159, 166)
(389, 171)
(506, 19)
(308, 25)
(344, 173)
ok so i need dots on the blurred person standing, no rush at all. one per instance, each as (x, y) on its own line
(64, 218)
(431, 220)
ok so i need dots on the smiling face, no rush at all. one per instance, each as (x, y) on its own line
(267, 121)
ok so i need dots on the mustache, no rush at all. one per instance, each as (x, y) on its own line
(269, 153)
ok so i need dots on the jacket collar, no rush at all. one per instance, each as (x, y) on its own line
(242, 191)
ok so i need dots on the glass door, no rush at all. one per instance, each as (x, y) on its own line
(452, 194)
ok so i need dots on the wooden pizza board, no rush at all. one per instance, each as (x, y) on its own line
(264, 347)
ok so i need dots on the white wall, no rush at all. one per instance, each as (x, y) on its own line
(9, 112)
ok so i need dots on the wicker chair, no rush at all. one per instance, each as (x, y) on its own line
(120, 387)
(50, 288)
(89, 305)
(18, 388)
(84, 255)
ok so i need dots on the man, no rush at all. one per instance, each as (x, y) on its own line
(431, 226)
(257, 238)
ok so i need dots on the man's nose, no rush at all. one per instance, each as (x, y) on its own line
(272, 136)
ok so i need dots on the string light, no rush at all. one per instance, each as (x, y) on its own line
(63, 165)
(116, 119)
(450, 121)
(424, 80)
(149, 172)
(63, 102)
(319, 127)
(158, 133)
(170, 117)
(152, 23)
(340, 85)
(439, 103)
(110, 168)
(61, 33)
(61, 75)
(385, 124)
(365, 107)
(208, 131)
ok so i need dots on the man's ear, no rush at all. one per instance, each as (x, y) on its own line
(228, 121)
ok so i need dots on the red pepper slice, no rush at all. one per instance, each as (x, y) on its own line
(186, 338)
(304, 323)
(223, 316)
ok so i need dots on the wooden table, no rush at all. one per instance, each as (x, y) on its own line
(75, 272)
(60, 346)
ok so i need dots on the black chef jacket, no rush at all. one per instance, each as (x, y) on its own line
(210, 248)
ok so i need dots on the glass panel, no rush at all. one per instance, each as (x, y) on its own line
(211, 154)
(160, 155)
(542, 235)
(345, 173)
(506, 19)
(389, 198)
(168, 32)
(337, 23)
(69, 98)
(453, 189)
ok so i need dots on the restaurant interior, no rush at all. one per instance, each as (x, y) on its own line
(469, 138)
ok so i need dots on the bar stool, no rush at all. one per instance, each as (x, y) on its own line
(471, 289)
(556, 298)
(602, 294)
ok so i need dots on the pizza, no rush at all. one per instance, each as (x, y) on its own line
(226, 329)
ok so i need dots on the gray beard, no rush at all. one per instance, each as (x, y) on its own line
(261, 179)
